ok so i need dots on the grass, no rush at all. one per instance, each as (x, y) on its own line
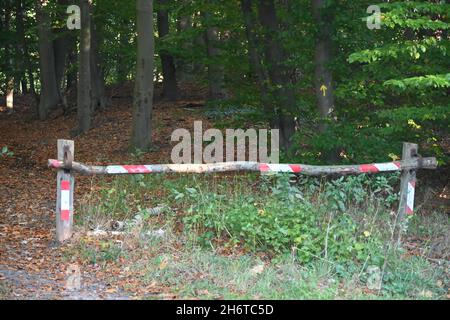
(251, 237)
(208, 275)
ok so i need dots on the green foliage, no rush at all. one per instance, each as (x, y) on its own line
(5, 152)
(407, 277)
(415, 15)
(428, 81)
(103, 253)
(345, 192)
(401, 93)
(283, 218)
(408, 48)
(320, 248)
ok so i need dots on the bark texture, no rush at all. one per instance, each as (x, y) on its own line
(170, 87)
(323, 76)
(281, 89)
(49, 96)
(84, 109)
(143, 88)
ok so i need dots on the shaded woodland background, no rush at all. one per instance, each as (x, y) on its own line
(338, 91)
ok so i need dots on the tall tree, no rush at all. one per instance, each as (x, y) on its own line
(20, 60)
(49, 96)
(122, 68)
(322, 58)
(84, 109)
(71, 77)
(26, 67)
(10, 61)
(143, 88)
(170, 87)
(281, 87)
(183, 67)
(254, 56)
(216, 72)
(97, 76)
(257, 71)
(61, 45)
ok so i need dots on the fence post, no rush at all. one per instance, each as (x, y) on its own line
(64, 198)
(407, 188)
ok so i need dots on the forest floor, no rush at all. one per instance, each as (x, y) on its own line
(32, 264)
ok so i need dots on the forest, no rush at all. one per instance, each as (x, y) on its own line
(343, 82)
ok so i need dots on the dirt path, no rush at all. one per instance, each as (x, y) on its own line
(31, 264)
(44, 286)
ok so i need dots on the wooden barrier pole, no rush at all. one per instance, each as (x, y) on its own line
(415, 163)
(65, 165)
(64, 198)
(407, 188)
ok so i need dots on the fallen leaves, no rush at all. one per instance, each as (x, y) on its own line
(27, 186)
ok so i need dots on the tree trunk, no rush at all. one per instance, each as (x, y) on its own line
(122, 68)
(170, 87)
(254, 57)
(143, 90)
(27, 67)
(72, 62)
(323, 76)
(9, 61)
(198, 67)
(216, 73)
(284, 97)
(255, 60)
(20, 59)
(84, 79)
(10, 95)
(97, 77)
(61, 47)
(23, 84)
(49, 96)
(183, 68)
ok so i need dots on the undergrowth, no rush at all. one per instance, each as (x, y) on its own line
(333, 236)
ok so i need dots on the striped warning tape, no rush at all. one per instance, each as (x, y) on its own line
(365, 168)
(65, 200)
(379, 167)
(410, 197)
(263, 167)
(129, 169)
(271, 167)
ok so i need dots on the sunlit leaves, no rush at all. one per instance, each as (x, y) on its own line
(413, 49)
(422, 82)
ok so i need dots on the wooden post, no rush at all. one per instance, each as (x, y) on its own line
(65, 186)
(407, 188)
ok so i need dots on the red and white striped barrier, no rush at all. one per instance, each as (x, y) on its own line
(410, 197)
(380, 167)
(298, 168)
(65, 200)
(271, 167)
(409, 164)
(133, 169)
(247, 166)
